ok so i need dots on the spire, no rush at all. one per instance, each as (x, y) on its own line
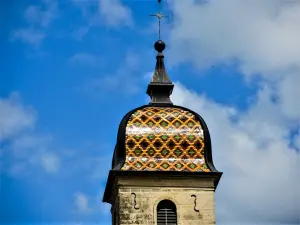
(160, 87)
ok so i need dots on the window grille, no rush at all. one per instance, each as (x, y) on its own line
(166, 213)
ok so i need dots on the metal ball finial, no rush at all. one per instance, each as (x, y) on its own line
(159, 45)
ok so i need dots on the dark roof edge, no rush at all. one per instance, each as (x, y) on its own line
(120, 158)
(207, 140)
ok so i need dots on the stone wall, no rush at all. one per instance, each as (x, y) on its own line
(137, 205)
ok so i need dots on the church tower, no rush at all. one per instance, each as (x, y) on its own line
(162, 169)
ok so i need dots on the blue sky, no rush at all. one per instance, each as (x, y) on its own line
(72, 69)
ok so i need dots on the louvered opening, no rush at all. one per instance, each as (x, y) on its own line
(166, 213)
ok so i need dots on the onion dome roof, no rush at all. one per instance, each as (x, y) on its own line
(162, 139)
(161, 136)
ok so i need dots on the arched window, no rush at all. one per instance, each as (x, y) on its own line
(166, 213)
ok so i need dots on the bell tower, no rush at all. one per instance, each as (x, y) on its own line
(162, 169)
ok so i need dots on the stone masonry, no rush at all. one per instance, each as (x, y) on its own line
(136, 201)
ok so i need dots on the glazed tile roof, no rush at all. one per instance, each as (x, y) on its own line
(164, 139)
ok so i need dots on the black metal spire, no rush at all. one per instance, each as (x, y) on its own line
(160, 87)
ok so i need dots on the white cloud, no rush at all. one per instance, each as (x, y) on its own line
(86, 59)
(80, 32)
(123, 80)
(289, 93)
(14, 117)
(86, 204)
(81, 202)
(42, 15)
(29, 35)
(50, 162)
(296, 139)
(23, 146)
(38, 17)
(262, 35)
(29, 141)
(110, 13)
(114, 13)
(261, 180)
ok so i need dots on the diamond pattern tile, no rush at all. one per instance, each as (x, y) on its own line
(164, 139)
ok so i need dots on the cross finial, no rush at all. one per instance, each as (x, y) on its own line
(159, 16)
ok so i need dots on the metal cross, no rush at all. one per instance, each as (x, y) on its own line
(159, 16)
